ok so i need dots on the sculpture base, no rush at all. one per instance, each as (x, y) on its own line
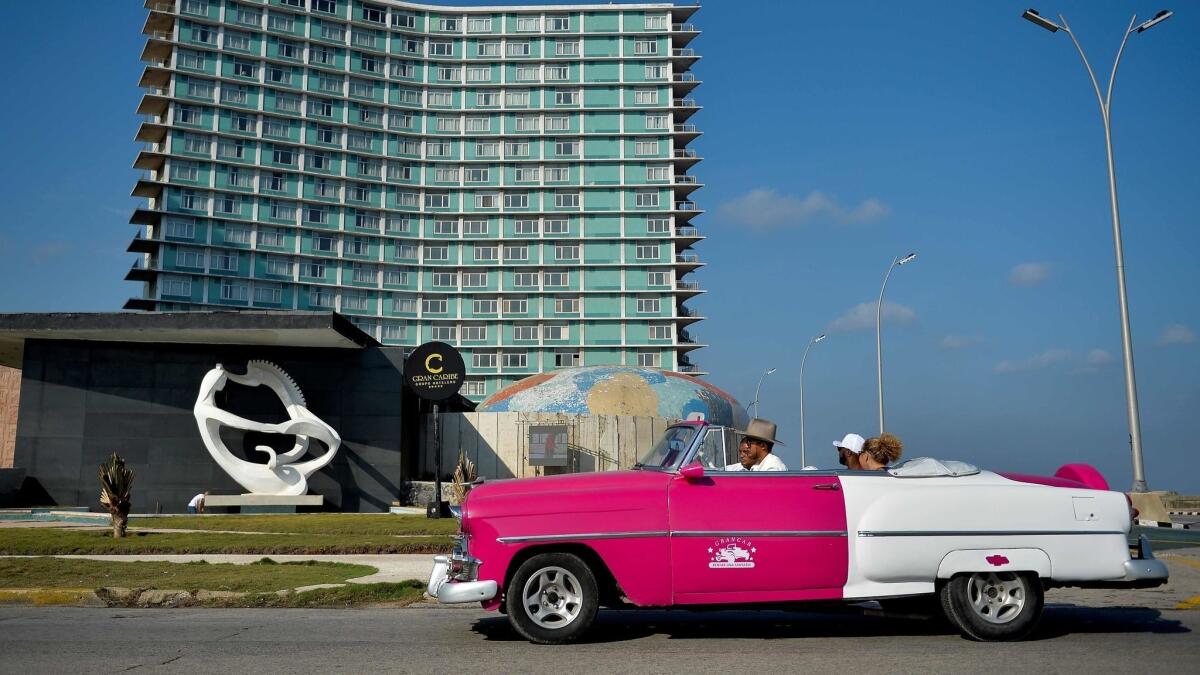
(263, 503)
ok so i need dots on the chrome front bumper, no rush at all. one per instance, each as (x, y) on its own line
(463, 589)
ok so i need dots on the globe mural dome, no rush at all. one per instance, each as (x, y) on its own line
(618, 390)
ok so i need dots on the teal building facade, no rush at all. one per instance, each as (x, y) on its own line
(513, 180)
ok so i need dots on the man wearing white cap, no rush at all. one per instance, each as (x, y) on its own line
(848, 450)
(754, 451)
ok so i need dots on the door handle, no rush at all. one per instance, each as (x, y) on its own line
(827, 486)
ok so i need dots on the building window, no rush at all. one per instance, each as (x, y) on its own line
(482, 360)
(324, 244)
(515, 360)
(569, 48)
(526, 175)
(656, 22)
(566, 200)
(649, 306)
(648, 359)
(645, 148)
(517, 49)
(525, 227)
(483, 306)
(525, 279)
(441, 48)
(224, 261)
(486, 253)
(659, 331)
(517, 98)
(554, 278)
(647, 251)
(236, 291)
(177, 286)
(655, 71)
(645, 199)
(554, 332)
(656, 121)
(566, 305)
(558, 73)
(187, 257)
(479, 25)
(272, 236)
(437, 200)
(474, 279)
(394, 331)
(566, 252)
(181, 170)
(180, 229)
(487, 48)
(645, 96)
(658, 225)
(237, 40)
(437, 252)
(566, 359)
(656, 279)
(556, 226)
(516, 200)
(644, 47)
(445, 279)
(566, 97)
(558, 24)
(404, 304)
(656, 172)
(445, 227)
(516, 306)
(566, 148)
(524, 332)
(433, 306)
(475, 227)
(313, 269)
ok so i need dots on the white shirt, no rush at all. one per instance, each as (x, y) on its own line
(196, 500)
(769, 463)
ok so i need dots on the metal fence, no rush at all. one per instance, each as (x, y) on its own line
(498, 443)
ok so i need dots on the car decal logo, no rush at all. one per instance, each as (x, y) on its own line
(996, 560)
(731, 553)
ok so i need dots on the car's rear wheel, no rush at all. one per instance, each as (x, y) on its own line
(994, 606)
(552, 598)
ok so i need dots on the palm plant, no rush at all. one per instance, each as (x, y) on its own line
(116, 486)
(464, 477)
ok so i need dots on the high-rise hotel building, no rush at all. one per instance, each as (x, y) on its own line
(513, 180)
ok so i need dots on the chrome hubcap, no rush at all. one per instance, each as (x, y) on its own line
(552, 597)
(996, 597)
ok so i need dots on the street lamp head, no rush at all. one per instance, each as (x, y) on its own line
(1032, 16)
(1158, 18)
(819, 338)
(907, 259)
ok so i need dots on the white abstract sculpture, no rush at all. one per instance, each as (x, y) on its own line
(278, 476)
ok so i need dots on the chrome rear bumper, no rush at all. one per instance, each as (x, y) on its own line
(1142, 571)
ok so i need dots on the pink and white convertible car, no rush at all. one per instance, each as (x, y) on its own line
(680, 531)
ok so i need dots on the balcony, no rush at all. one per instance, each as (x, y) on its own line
(154, 102)
(685, 108)
(140, 244)
(141, 304)
(687, 206)
(684, 57)
(685, 133)
(683, 83)
(687, 285)
(685, 315)
(139, 272)
(683, 33)
(688, 259)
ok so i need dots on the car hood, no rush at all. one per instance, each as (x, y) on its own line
(584, 502)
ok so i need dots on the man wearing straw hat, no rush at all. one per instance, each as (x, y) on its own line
(754, 452)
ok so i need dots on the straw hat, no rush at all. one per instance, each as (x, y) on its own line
(761, 429)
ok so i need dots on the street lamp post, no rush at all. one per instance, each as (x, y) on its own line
(758, 387)
(803, 360)
(896, 262)
(1105, 101)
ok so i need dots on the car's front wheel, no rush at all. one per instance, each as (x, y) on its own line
(994, 606)
(552, 598)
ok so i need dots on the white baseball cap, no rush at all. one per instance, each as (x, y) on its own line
(852, 442)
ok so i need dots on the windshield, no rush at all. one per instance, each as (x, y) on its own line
(668, 452)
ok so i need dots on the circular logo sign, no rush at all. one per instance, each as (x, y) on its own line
(435, 371)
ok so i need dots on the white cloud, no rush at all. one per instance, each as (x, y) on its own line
(862, 317)
(1043, 360)
(1176, 334)
(764, 208)
(960, 341)
(1099, 357)
(1029, 274)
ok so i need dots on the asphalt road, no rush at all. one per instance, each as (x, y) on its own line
(429, 639)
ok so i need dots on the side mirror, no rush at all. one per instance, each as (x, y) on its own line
(693, 471)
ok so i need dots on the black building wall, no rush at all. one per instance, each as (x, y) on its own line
(81, 401)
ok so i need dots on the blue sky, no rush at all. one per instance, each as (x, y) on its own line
(836, 136)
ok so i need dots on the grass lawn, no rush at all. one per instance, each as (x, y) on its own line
(308, 523)
(260, 577)
(60, 541)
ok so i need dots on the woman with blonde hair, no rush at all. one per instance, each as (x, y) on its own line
(878, 453)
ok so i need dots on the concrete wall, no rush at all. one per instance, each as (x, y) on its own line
(498, 442)
(10, 397)
(81, 401)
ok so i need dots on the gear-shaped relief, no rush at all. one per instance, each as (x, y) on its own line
(279, 476)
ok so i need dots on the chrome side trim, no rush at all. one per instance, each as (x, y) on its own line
(978, 533)
(582, 535)
(676, 533)
(758, 533)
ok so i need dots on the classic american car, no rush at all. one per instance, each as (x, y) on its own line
(680, 531)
